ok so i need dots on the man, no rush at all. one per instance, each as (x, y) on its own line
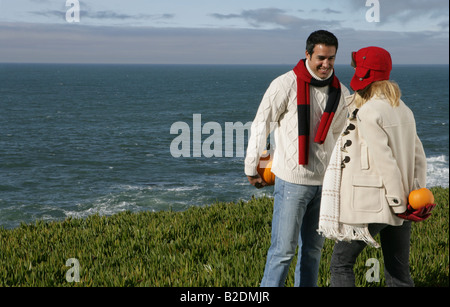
(307, 110)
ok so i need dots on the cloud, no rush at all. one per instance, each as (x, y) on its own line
(406, 11)
(70, 43)
(279, 18)
(49, 13)
(331, 11)
(104, 15)
(114, 15)
(271, 35)
(425, 47)
(444, 25)
(259, 17)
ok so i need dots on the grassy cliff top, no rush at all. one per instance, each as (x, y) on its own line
(222, 245)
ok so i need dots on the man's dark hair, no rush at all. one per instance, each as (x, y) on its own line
(321, 37)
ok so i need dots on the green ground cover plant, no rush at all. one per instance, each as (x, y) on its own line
(222, 245)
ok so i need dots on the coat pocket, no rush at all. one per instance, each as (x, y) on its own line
(367, 193)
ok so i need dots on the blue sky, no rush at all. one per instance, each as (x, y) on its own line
(218, 32)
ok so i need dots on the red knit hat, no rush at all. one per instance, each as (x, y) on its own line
(372, 64)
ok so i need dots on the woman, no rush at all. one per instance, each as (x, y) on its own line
(372, 171)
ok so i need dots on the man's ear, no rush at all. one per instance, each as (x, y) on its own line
(307, 55)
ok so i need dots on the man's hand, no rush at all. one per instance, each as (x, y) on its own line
(256, 181)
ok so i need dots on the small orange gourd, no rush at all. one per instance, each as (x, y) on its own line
(420, 197)
(265, 168)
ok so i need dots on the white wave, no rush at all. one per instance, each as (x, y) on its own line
(437, 172)
(102, 208)
(133, 187)
(442, 158)
(183, 189)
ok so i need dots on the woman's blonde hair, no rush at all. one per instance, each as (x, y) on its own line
(387, 89)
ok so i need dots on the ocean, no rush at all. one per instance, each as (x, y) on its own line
(77, 140)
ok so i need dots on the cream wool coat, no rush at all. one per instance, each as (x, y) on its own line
(383, 155)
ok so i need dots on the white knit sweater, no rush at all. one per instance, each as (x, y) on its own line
(278, 112)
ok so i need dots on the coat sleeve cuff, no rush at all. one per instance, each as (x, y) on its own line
(251, 166)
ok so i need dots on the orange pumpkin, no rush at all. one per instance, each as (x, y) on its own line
(265, 168)
(420, 198)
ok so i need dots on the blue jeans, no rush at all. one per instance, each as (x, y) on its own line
(294, 223)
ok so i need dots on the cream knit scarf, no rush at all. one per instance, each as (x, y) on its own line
(329, 225)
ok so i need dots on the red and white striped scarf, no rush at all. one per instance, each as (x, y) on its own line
(304, 80)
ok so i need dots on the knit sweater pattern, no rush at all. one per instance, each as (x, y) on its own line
(277, 113)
